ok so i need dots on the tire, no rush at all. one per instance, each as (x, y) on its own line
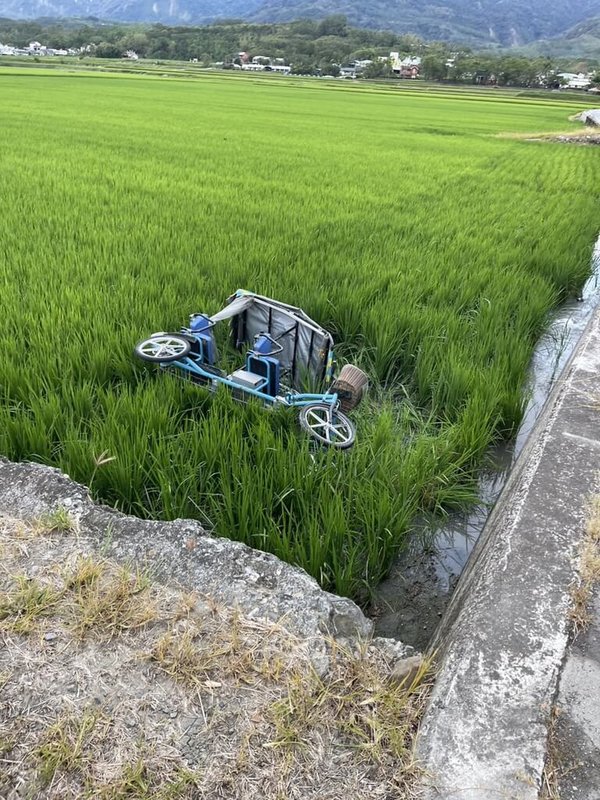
(314, 421)
(163, 348)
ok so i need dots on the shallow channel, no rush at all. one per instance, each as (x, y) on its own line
(408, 605)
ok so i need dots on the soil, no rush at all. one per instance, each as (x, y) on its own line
(116, 686)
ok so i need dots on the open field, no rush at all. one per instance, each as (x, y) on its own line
(432, 247)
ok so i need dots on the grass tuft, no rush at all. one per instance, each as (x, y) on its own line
(357, 703)
(66, 746)
(60, 520)
(109, 602)
(22, 606)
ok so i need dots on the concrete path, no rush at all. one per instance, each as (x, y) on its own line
(576, 738)
(504, 641)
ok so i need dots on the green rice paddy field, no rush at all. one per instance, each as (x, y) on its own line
(433, 249)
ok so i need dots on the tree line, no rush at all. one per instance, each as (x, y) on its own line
(310, 46)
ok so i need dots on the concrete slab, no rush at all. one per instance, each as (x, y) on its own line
(503, 640)
(577, 733)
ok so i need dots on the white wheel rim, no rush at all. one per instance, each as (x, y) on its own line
(330, 432)
(163, 347)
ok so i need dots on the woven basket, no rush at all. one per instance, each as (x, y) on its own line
(351, 386)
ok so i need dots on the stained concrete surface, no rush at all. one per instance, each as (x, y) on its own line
(505, 636)
(577, 732)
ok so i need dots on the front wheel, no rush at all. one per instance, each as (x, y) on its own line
(332, 428)
(163, 348)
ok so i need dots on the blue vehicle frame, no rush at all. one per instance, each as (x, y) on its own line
(284, 348)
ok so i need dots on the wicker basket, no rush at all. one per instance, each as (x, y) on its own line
(351, 386)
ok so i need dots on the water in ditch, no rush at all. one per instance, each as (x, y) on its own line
(409, 603)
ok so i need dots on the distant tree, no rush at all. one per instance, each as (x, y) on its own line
(378, 69)
(303, 67)
(137, 42)
(335, 25)
(409, 43)
(305, 27)
(330, 49)
(108, 50)
(433, 67)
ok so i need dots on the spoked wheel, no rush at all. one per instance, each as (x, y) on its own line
(336, 431)
(163, 348)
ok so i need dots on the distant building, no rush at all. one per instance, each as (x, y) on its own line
(579, 80)
(407, 67)
(347, 71)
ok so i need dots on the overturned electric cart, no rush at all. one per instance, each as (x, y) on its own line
(286, 352)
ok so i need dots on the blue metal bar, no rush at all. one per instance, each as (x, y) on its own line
(191, 365)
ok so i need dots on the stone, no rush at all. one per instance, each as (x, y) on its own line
(405, 671)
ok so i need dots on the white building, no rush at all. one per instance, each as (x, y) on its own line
(579, 80)
(398, 64)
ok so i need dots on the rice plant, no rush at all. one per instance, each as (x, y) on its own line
(433, 249)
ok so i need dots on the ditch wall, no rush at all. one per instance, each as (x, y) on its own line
(503, 640)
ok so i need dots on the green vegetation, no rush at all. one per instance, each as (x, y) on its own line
(430, 246)
(582, 41)
(308, 46)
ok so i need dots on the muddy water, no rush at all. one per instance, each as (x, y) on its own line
(409, 603)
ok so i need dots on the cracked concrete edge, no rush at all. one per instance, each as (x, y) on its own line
(182, 552)
(503, 640)
(576, 737)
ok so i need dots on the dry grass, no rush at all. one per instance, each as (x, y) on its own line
(119, 689)
(93, 597)
(72, 747)
(107, 600)
(65, 746)
(589, 570)
(580, 617)
(553, 771)
(583, 133)
(358, 707)
(27, 601)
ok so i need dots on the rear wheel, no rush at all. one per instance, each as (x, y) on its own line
(331, 428)
(163, 348)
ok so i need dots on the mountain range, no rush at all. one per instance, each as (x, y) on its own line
(479, 22)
